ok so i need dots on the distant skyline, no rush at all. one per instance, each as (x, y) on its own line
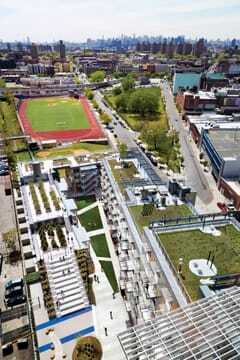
(77, 20)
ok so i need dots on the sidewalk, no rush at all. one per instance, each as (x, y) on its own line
(96, 232)
(89, 207)
(114, 257)
(101, 314)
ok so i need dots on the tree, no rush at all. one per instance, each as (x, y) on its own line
(105, 118)
(122, 150)
(143, 102)
(121, 102)
(86, 348)
(97, 76)
(128, 82)
(88, 93)
(117, 90)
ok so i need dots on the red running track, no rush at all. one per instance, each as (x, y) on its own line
(94, 132)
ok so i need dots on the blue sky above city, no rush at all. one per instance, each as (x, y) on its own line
(77, 20)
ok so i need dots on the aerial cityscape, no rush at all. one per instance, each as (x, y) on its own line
(120, 180)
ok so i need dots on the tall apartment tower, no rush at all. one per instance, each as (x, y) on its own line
(62, 50)
(34, 51)
(199, 47)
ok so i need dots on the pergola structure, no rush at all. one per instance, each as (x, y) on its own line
(206, 329)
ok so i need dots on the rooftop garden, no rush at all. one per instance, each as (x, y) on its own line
(190, 245)
(91, 219)
(109, 271)
(52, 236)
(143, 215)
(35, 199)
(99, 244)
(85, 201)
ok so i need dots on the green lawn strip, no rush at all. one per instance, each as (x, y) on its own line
(194, 244)
(170, 212)
(99, 244)
(109, 271)
(69, 150)
(91, 220)
(85, 201)
(52, 114)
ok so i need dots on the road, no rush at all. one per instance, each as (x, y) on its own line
(193, 171)
(123, 134)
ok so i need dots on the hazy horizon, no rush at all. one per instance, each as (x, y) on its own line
(77, 20)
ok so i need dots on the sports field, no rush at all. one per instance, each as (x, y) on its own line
(53, 114)
(62, 119)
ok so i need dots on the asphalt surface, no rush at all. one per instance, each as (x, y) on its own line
(193, 171)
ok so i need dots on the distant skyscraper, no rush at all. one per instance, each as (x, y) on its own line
(9, 47)
(19, 46)
(62, 50)
(34, 51)
(199, 47)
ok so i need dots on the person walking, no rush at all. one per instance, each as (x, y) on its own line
(113, 295)
(111, 315)
(106, 332)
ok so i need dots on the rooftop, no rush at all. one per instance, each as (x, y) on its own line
(206, 329)
(226, 142)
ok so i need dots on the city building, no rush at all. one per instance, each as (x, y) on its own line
(186, 81)
(34, 52)
(62, 50)
(196, 102)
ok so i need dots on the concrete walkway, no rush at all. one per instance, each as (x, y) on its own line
(101, 314)
(89, 207)
(96, 232)
(114, 257)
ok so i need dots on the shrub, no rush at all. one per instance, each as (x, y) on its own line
(35, 198)
(55, 200)
(44, 197)
(32, 278)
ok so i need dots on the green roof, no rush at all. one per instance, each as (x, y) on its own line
(215, 76)
(186, 80)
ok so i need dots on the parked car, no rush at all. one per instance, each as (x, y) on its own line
(13, 283)
(13, 292)
(20, 299)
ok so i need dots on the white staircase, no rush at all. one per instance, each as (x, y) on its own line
(66, 284)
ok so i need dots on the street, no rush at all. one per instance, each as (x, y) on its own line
(193, 171)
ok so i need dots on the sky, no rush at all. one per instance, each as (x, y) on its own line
(77, 20)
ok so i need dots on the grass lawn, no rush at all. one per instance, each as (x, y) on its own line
(91, 220)
(85, 201)
(123, 173)
(109, 271)
(170, 211)
(99, 244)
(194, 244)
(74, 149)
(22, 156)
(49, 114)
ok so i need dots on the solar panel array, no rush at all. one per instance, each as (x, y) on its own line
(206, 329)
